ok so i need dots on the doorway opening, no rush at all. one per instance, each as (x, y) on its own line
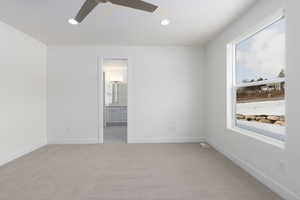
(115, 100)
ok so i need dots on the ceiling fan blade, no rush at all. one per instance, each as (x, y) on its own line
(136, 4)
(86, 8)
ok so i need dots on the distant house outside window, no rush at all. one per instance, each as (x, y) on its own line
(256, 81)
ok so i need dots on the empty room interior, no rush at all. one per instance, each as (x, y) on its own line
(149, 100)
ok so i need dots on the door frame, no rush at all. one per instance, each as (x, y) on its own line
(100, 95)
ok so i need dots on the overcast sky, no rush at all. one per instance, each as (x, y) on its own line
(262, 55)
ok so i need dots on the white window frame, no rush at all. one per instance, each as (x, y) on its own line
(232, 86)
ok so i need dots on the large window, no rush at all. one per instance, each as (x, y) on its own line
(257, 81)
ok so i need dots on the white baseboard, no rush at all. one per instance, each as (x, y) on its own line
(74, 141)
(20, 154)
(278, 188)
(130, 141)
(165, 140)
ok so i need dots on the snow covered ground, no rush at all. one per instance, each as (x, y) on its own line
(262, 108)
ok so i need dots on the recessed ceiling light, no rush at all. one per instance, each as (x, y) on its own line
(165, 22)
(73, 21)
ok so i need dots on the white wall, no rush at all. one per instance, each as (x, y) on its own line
(165, 93)
(292, 152)
(22, 93)
(276, 167)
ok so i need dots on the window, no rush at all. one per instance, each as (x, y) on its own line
(256, 81)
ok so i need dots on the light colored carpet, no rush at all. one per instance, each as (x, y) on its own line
(128, 172)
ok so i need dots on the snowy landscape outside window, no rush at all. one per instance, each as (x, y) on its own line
(258, 85)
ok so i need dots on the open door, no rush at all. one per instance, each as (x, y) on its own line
(115, 95)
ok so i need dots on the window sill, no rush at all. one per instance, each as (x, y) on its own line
(258, 136)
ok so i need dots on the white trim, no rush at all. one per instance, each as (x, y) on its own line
(230, 94)
(269, 140)
(229, 83)
(264, 24)
(19, 154)
(166, 140)
(100, 100)
(232, 86)
(278, 188)
(74, 141)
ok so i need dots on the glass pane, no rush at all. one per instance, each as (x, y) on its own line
(262, 109)
(262, 56)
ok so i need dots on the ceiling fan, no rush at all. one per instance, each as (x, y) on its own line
(89, 5)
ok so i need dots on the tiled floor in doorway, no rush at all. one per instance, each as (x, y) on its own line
(115, 135)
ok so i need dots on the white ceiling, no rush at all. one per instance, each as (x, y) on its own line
(193, 22)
